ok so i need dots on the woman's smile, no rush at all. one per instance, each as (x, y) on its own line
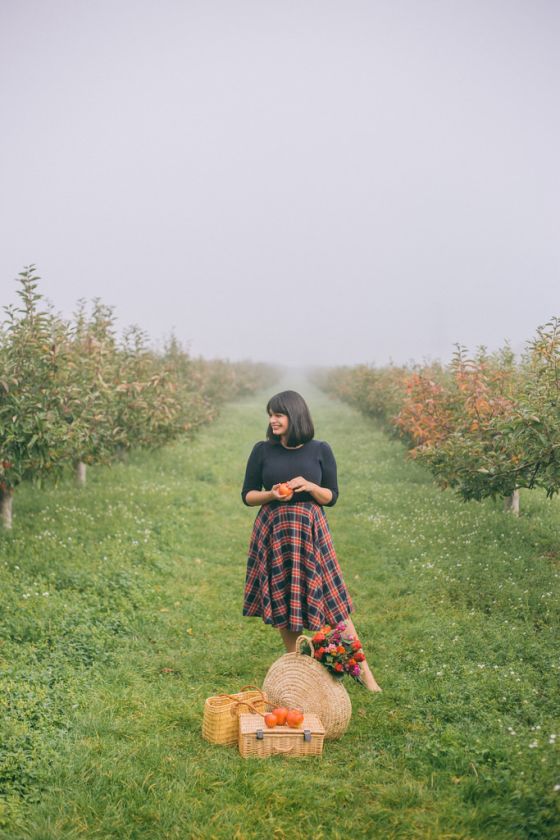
(279, 423)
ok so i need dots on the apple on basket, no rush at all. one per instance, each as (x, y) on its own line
(281, 714)
(294, 718)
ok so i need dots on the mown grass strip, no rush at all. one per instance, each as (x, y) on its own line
(121, 611)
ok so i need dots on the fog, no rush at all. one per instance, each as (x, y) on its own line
(312, 182)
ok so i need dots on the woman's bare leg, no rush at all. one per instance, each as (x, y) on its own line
(368, 678)
(289, 637)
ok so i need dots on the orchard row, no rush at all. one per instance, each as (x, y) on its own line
(485, 426)
(73, 394)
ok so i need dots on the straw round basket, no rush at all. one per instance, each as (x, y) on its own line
(220, 722)
(299, 680)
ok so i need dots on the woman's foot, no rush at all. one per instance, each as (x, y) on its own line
(368, 679)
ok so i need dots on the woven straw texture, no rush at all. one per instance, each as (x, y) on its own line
(297, 680)
(220, 722)
(281, 740)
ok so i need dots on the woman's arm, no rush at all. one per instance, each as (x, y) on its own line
(262, 497)
(321, 494)
(259, 497)
(253, 475)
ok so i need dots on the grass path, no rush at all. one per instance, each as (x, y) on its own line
(120, 612)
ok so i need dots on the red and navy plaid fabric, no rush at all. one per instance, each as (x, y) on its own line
(293, 576)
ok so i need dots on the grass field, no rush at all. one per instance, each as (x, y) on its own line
(120, 612)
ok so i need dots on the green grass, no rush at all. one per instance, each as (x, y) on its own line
(120, 612)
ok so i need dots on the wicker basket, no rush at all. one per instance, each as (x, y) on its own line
(220, 724)
(257, 741)
(299, 680)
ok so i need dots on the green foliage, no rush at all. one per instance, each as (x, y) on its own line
(485, 425)
(377, 392)
(535, 428)
(89, 378)
(506, 425)
(146, 406)
(73, 393)
(33, 433)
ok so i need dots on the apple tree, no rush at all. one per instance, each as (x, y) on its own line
(33, 432)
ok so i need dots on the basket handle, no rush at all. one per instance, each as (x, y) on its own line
(250, 706)
(279, 749)
(254, 687)
(307, 640)
(237, 702)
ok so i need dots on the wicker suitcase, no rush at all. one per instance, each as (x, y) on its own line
(256, 740)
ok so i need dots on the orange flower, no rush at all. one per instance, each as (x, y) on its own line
(356, 645)
(341, 649)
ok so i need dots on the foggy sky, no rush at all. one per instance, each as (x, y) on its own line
(317, 181)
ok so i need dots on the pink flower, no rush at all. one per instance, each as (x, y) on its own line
(355, 671)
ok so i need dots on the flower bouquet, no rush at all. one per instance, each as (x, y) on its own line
(338, 653)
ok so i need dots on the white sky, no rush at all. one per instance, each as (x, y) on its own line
(304, 182)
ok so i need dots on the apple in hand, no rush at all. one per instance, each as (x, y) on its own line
(284, 491)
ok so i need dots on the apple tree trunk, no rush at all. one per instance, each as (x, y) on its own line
(6, 498)
(121, 454)
(511, 503)
(80, 473)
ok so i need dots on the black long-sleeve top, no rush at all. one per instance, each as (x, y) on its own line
(271, 463)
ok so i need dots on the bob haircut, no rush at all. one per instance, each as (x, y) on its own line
(292, 404)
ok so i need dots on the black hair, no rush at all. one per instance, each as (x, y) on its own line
(292, 404)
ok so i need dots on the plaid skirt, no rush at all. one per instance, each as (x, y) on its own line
(293, 577)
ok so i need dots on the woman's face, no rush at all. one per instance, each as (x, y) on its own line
(279, 423)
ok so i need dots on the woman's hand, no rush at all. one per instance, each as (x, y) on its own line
(301, 485)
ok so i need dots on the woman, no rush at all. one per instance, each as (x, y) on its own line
(293, 577)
